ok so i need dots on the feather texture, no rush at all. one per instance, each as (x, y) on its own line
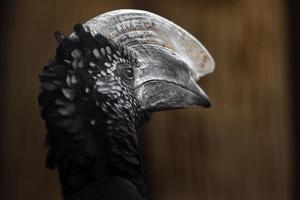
(91, 115)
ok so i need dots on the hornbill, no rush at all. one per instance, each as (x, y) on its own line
(107, 77)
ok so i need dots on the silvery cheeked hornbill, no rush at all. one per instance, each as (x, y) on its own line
(106, 78)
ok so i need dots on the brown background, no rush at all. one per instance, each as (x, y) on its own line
(240, 149)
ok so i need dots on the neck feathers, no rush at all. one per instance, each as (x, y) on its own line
(123, 153)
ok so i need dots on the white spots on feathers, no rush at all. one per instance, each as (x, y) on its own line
(100, 83)
(76, 53)
(71, 80)
(114, 66)
(90, 70)
(125, 52)
(121, 101)
(92, 64)
(67, 61)
(108, 50)
(93, 121)
(103, 73)
(109, 72)
(75, 64)
(68, 80)
(101, 66)
(100, 89)
(96, 53)
(115, 56)
(104, 108)
(112, 89)
(68, 93)
(74, 79)
(115, 63)
(81, 64)
(127, 105)
(107, 64)
(103, 52)
(108, 103)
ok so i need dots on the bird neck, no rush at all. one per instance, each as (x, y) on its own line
(122, 152)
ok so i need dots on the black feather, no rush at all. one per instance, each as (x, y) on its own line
(92, 138)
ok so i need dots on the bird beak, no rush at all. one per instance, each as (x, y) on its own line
(167, 84)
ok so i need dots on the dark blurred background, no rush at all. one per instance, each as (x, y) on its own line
(243, 148)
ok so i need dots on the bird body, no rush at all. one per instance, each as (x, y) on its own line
(95, 96)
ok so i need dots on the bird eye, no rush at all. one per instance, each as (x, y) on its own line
(128, 73)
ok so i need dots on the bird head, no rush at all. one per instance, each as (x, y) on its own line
(122, 63)
(168, 61)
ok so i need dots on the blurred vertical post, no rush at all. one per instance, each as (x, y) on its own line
(293, 10)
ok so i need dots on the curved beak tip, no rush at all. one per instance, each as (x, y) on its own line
(203, 101)
(207, 104)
